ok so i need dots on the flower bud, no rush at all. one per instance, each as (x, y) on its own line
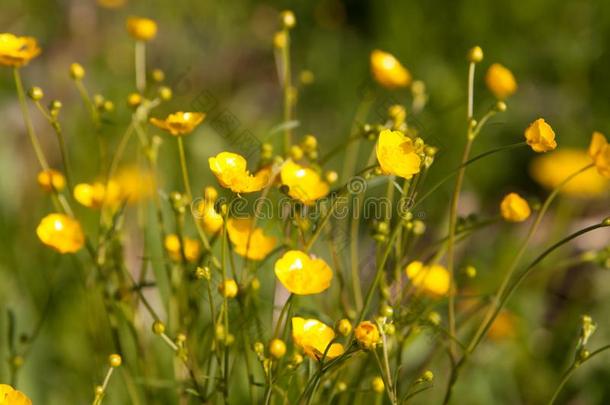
(344, 327)
(134, 100)
(158, 75)
(36, 93)
(158, 327)
(77, 72)
(288, 19)
(475, 54)
(165, 93)
(115, 360)
(378, 385)
(228, 288)
(277, 348)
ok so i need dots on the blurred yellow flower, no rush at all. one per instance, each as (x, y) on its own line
(142, 29)
(17, 51)
(396, 154)
(179, 123)
(135, 184)
(388, 71)
(192, 248)
(433, 279)
(599, 150)
(304, 184)
(540, 136)
(367, 334)
(513, 208)
(61, 233)
(228, 288)
(302, 274)
(249, 242)
(378, 385)
(503, 327)
(552, 169)
(314, 337)
(231, 172)
(10, 396)
(98, 194)
(51, 180)
(500, 81)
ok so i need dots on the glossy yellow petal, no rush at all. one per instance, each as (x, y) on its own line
(10, 396)
(500, 81)
(514, 208)
(211, 220)
(17, 51)
(396, 154)
(249, 242)
(142, 29)
(550, 170)
(388, 71)
(599, 150)
(231, 172)
(314, 337)
(433, 280)
(540, 136)
(367, 334)
(304, 184)
(61, 233)
(179, 123)
(302, 274)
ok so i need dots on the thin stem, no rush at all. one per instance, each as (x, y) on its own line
(288, 97)
(184, 169)
(140, 65)
(568, 373)
(42, 161)
(505, 282)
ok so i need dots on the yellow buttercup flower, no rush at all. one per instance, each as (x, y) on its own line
(514, 208)
(98, 194)
(388, 71)
(500, 81)
(540, 136)
(552, 169)
(10, 396)
(599, 151)
(396, 154)
(179, 123)
(314, 338)
(134, 184)
(17, 51)
(192, 248)
(142, 29)
(367, 334)
(248, 241)
(51, 180)
(231, 172)
(433, 279)
(302, 274)
(304, 184)
(61, 232)
(211, 221)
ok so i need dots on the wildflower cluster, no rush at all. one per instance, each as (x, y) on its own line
(270, 308)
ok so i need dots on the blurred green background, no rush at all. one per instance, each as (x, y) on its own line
(219, 55)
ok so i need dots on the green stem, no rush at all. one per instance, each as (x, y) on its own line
(288, 97)
(140, 65)
(568, 373)
(42, 161)
(184, 169)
